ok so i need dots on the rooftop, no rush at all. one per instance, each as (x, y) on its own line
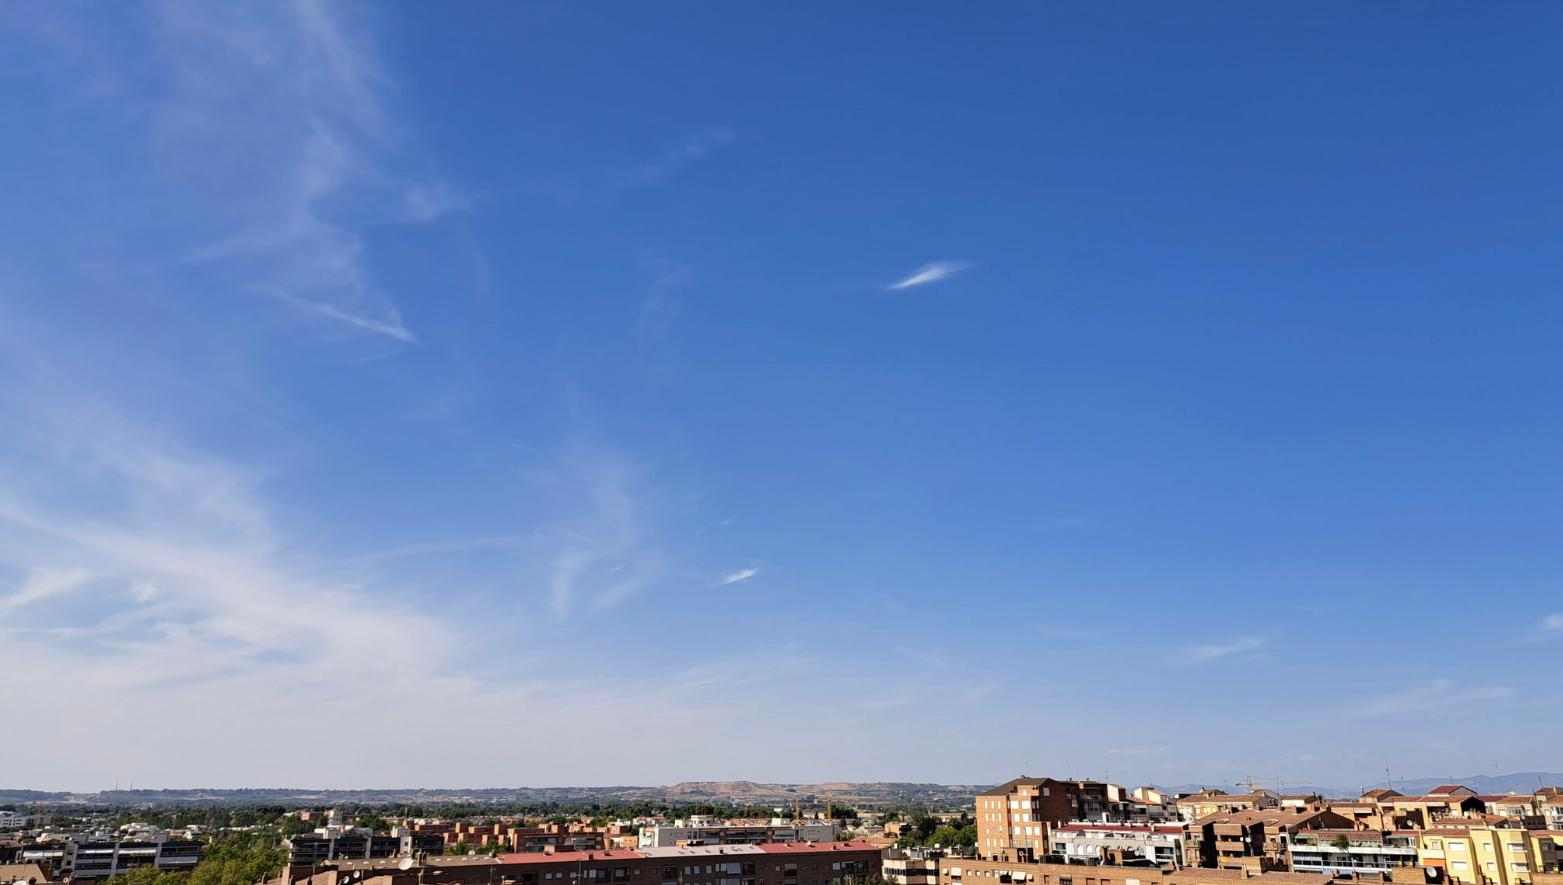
(540, 857)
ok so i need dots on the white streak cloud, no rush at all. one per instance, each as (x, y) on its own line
(931, 273)
(739, 576)
(1218, 650)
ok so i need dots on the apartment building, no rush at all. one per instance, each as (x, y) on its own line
(1448, 800)
(1013, 818)
(1478, 851)
(1150, 805)
(314, 848)
(1517, 806)
(1352, 852)
(710, 831)
(1549, 805)
(1257, 841)
(1370, 816)
(966, 871)
(801, 863)
(12, 820)
(1119, 843)
(911, 866)
(100, 858)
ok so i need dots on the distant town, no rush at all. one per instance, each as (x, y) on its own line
(1027, 831)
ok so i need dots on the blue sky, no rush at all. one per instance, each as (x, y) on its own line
(544, 394)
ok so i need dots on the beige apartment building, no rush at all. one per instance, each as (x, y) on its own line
(1257, 840)
(1014, 818)
(967, 871)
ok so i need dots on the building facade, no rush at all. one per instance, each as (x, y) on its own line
(1114, 843)
(97, 859)
(707, 831)
(831, 863)
(1014, 818)
(1352, 852)
(911, 866)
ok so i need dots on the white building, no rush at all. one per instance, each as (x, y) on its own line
(12, 820)
(1084, 842)
(96, 858)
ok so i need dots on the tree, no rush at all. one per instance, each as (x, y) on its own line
(238, 859)
(149, 875)
(953, 837)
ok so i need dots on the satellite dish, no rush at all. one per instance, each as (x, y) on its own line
(406, 864)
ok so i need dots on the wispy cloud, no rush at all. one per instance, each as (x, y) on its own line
(140, 564)
(1553, 621)
(688, 151)
(390, 327)
(1215, 651)
(42, 584)
(296, 170)
(739, 576)
(602, 550)
(931, 273)
(423, 203)
(1438, 694)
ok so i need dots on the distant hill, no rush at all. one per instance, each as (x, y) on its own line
(690, 792)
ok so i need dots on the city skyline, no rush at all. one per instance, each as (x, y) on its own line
(652, 393)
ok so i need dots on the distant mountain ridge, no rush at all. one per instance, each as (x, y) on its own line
(741, 792)
(1495, 784)
(690, 792)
